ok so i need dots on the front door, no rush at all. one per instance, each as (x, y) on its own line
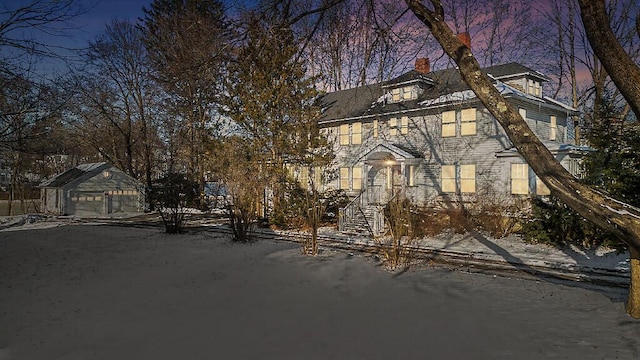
(381, 183)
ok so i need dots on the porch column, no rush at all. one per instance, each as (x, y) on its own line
(389, 177)
(403, 177)
(365, 180)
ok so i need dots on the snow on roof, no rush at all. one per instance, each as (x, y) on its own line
(72, 174)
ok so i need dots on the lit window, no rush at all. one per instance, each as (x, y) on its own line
(344, 178)
(468, 122)
(356, 133)
(541, 188)
(351, 134)
(411, 175)
(530, 87)
(409, 93)
(303, 177)
(520, 179)
(523, 113)
(468, 178)
(357, 178)
(554, 128)
(449, 178)
(375, 128)
(404, 125)
(538, 89)
(395, 95)
(393, 126)
(449, 123)
(344, 134)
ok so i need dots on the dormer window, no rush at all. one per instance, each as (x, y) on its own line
(404, 93)
(534, 88)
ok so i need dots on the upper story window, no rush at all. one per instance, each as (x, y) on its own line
(468, 123)
(350, 134)
(404, 93)
(534, 88)
(449, 123)
(553, 129)
(399, 126)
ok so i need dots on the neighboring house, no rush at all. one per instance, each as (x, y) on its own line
(92, 189)
(427, 134)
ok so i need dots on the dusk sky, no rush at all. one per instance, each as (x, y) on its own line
(99, 13)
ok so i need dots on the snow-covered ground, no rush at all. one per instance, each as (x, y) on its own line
(115, 292)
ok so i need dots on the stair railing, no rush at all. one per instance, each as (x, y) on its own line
(348, 213)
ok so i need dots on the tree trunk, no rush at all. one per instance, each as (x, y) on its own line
(624, 72)
(633, 303)
(617, 217)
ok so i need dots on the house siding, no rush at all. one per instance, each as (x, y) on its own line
(422, 146)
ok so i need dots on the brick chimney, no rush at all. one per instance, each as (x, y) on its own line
(465, 38)
(422, 65)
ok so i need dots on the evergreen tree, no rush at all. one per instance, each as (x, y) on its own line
(271, 99)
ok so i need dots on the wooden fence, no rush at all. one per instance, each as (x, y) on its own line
(19, 207)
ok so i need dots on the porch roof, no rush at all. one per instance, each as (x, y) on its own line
(384, 151)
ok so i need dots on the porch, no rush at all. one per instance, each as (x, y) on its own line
(389, 171)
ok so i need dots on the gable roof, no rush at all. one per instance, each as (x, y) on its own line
(443, 86)
(75, 173)
(513, 69)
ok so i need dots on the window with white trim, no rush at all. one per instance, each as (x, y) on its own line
(519, 179)
(404, 93)
(351, 178)
(356, 175)
(344, 178)
(344, 134)
(448, 178)
(523, 113)
(553, 130)
(468, 178)
(395, 95)
(459, 177)
(541, 187)
(356, 133)
(350, 134)
(449, 123)
(393, 127)
(468, 122)
(404, 125)
(411, 175)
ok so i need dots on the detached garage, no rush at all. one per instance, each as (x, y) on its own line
(92, 189)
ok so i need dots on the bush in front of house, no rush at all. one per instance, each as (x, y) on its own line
(173, 194)
(554, 223)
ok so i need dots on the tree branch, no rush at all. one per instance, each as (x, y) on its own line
(624, 72)
(621, 219)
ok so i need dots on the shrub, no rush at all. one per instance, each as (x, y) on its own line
(172, 194)
(552, 222)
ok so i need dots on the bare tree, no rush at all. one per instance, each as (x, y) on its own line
(23, 28)
(357, 42)
(29, 113)
(619, 218)
(116, 100)
(188, 44)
